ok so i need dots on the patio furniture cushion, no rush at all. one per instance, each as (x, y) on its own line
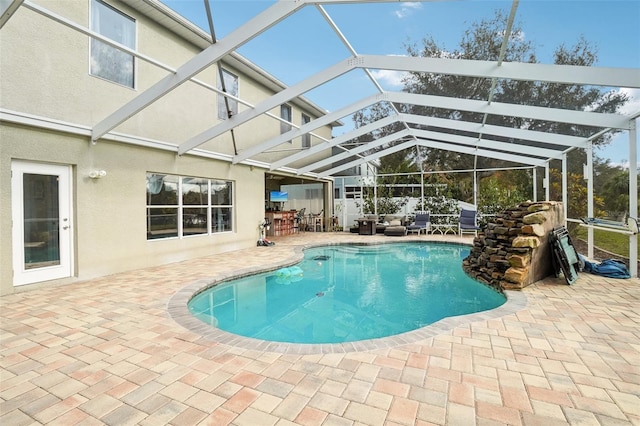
(422, 223)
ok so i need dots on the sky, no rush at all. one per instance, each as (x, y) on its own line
(304, 43)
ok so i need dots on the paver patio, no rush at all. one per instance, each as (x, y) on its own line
(107, 351)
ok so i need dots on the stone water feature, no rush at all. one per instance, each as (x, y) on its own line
(514, 251)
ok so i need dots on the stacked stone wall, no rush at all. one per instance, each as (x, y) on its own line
(513, 250)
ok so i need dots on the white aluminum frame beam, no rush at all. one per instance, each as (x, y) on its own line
(260, 23)
(584, 118)
(291, 134)
(537, 113)
(489, 129)
(379, 154)
(346, 137)
(274, 101)
(520, 134)
(306, 128)
(525, 71)
(633, 194)
(404, 133)
(590, 201)
(544, 153)
(530, 161)
(47, 13)
(437, 145)
(485, 69)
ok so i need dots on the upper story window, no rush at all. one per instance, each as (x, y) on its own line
(229, 107)
(306, 138)
(107, 61)
(285, 114)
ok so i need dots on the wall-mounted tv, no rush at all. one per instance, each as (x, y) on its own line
(278, 196)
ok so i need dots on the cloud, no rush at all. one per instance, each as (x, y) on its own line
(633, 105)
(407, 8)
(389, 78)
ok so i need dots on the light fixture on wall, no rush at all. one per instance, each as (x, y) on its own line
(97, 174)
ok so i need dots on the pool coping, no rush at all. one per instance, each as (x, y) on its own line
(179, 312)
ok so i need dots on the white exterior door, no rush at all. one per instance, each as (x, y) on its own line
(42, 232)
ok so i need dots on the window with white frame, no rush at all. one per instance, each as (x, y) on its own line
(106, 61)
(306, 138)
(285, 114)
(180, 206)
(229, 107)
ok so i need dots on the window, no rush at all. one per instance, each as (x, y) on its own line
(221, 206)
(231, 87)
(306, 138)
(107, 61)
(195, 201)
(180, 206)
(285, 114)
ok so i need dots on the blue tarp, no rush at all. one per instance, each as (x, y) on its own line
(610, 268)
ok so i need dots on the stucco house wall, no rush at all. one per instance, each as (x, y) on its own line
(46, 86)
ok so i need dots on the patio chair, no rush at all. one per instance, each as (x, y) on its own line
(316, 222)
(298, 221)
(421, 223)
(467, 222)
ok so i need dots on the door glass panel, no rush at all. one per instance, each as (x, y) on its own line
(41, 221)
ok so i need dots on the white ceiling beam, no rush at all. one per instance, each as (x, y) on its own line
(322, 121)
(265, 20)
(274, 101)
(584, 118)
(482, 153)
(520, 134)
(7, 9)
(568, 74)
(367, 128)
(488, 144)
(356, 150)
(537, 113)
(436, 145)
(348, 45)
(486, 69)
(488, 129)
(368, 158)
(444, 141)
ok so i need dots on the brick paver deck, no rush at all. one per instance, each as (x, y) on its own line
(109, 351)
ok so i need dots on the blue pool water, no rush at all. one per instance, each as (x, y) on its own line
(346, 293)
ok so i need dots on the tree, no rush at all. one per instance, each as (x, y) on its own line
(483, 41)
(500, 192)
(578, 196)
(615, 192)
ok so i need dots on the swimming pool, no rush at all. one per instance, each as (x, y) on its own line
(348, 293)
